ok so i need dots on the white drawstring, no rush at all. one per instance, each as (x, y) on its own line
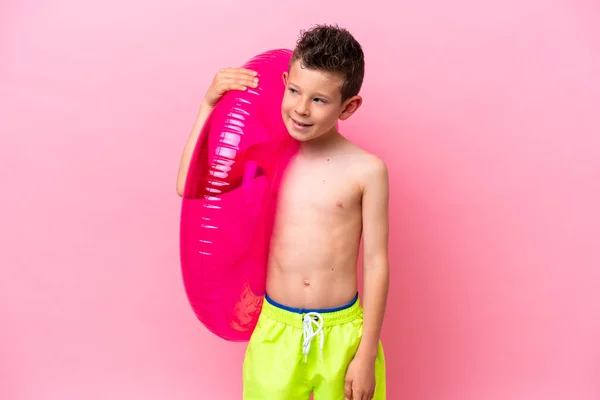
(310, 333)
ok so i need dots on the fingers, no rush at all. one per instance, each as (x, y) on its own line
(357, 394)
(362, 396)
(348, 390)
(243, 71)
(238, 73)
(227, 84)
(230, 80)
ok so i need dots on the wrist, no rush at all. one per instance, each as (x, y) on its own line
(206, 105)
(367, 352)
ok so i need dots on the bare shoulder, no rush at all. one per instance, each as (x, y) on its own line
(369, 169)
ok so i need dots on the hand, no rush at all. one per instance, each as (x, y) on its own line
(229, 79)
(360, 380)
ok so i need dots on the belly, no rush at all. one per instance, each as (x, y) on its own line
(313, 258)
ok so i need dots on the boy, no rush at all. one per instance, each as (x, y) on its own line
(313, 335)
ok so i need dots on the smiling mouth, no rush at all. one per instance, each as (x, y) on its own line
(300, 123)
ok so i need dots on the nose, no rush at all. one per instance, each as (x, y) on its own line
(302, 108)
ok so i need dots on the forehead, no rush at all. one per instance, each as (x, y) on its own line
(315, 80)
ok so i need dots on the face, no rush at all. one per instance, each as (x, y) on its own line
(312, 102)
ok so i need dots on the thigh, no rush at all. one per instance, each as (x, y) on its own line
(273, 365)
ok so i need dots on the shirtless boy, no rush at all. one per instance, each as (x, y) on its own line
(314, 335)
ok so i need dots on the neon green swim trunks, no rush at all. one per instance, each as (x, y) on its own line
(293, 353)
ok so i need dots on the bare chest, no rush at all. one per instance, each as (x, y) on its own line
(320, 188)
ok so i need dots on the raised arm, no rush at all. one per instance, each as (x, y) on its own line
(186, 157)
(224, 81)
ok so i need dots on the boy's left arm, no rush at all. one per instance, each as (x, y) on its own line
(360, 377)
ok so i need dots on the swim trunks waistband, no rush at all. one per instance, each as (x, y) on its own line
(294, 316)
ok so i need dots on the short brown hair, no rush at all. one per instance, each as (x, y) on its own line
(332, 49)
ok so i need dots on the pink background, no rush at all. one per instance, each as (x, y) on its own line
(487, 113)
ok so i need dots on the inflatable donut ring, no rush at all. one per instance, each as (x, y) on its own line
(229, 202)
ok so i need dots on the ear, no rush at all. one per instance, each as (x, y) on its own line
(350, 106)
(284, 76)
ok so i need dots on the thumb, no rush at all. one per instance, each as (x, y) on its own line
(348, 390)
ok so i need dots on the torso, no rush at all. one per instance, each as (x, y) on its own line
(316, 236)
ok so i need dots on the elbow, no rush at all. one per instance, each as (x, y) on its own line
(377, 266)
(376, 261)
(179, 189)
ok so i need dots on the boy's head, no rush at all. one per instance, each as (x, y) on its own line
(323, 82)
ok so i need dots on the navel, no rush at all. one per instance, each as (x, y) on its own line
(306, 282)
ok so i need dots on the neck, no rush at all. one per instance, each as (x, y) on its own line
(321, 145)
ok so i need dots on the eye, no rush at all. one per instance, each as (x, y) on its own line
(318, 100)
(292, 91)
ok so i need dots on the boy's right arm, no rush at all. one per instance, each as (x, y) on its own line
(224, 81)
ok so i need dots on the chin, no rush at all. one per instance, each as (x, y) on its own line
(298, 136)
(301, 136)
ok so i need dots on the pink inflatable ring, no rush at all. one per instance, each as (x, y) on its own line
(229, 202)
